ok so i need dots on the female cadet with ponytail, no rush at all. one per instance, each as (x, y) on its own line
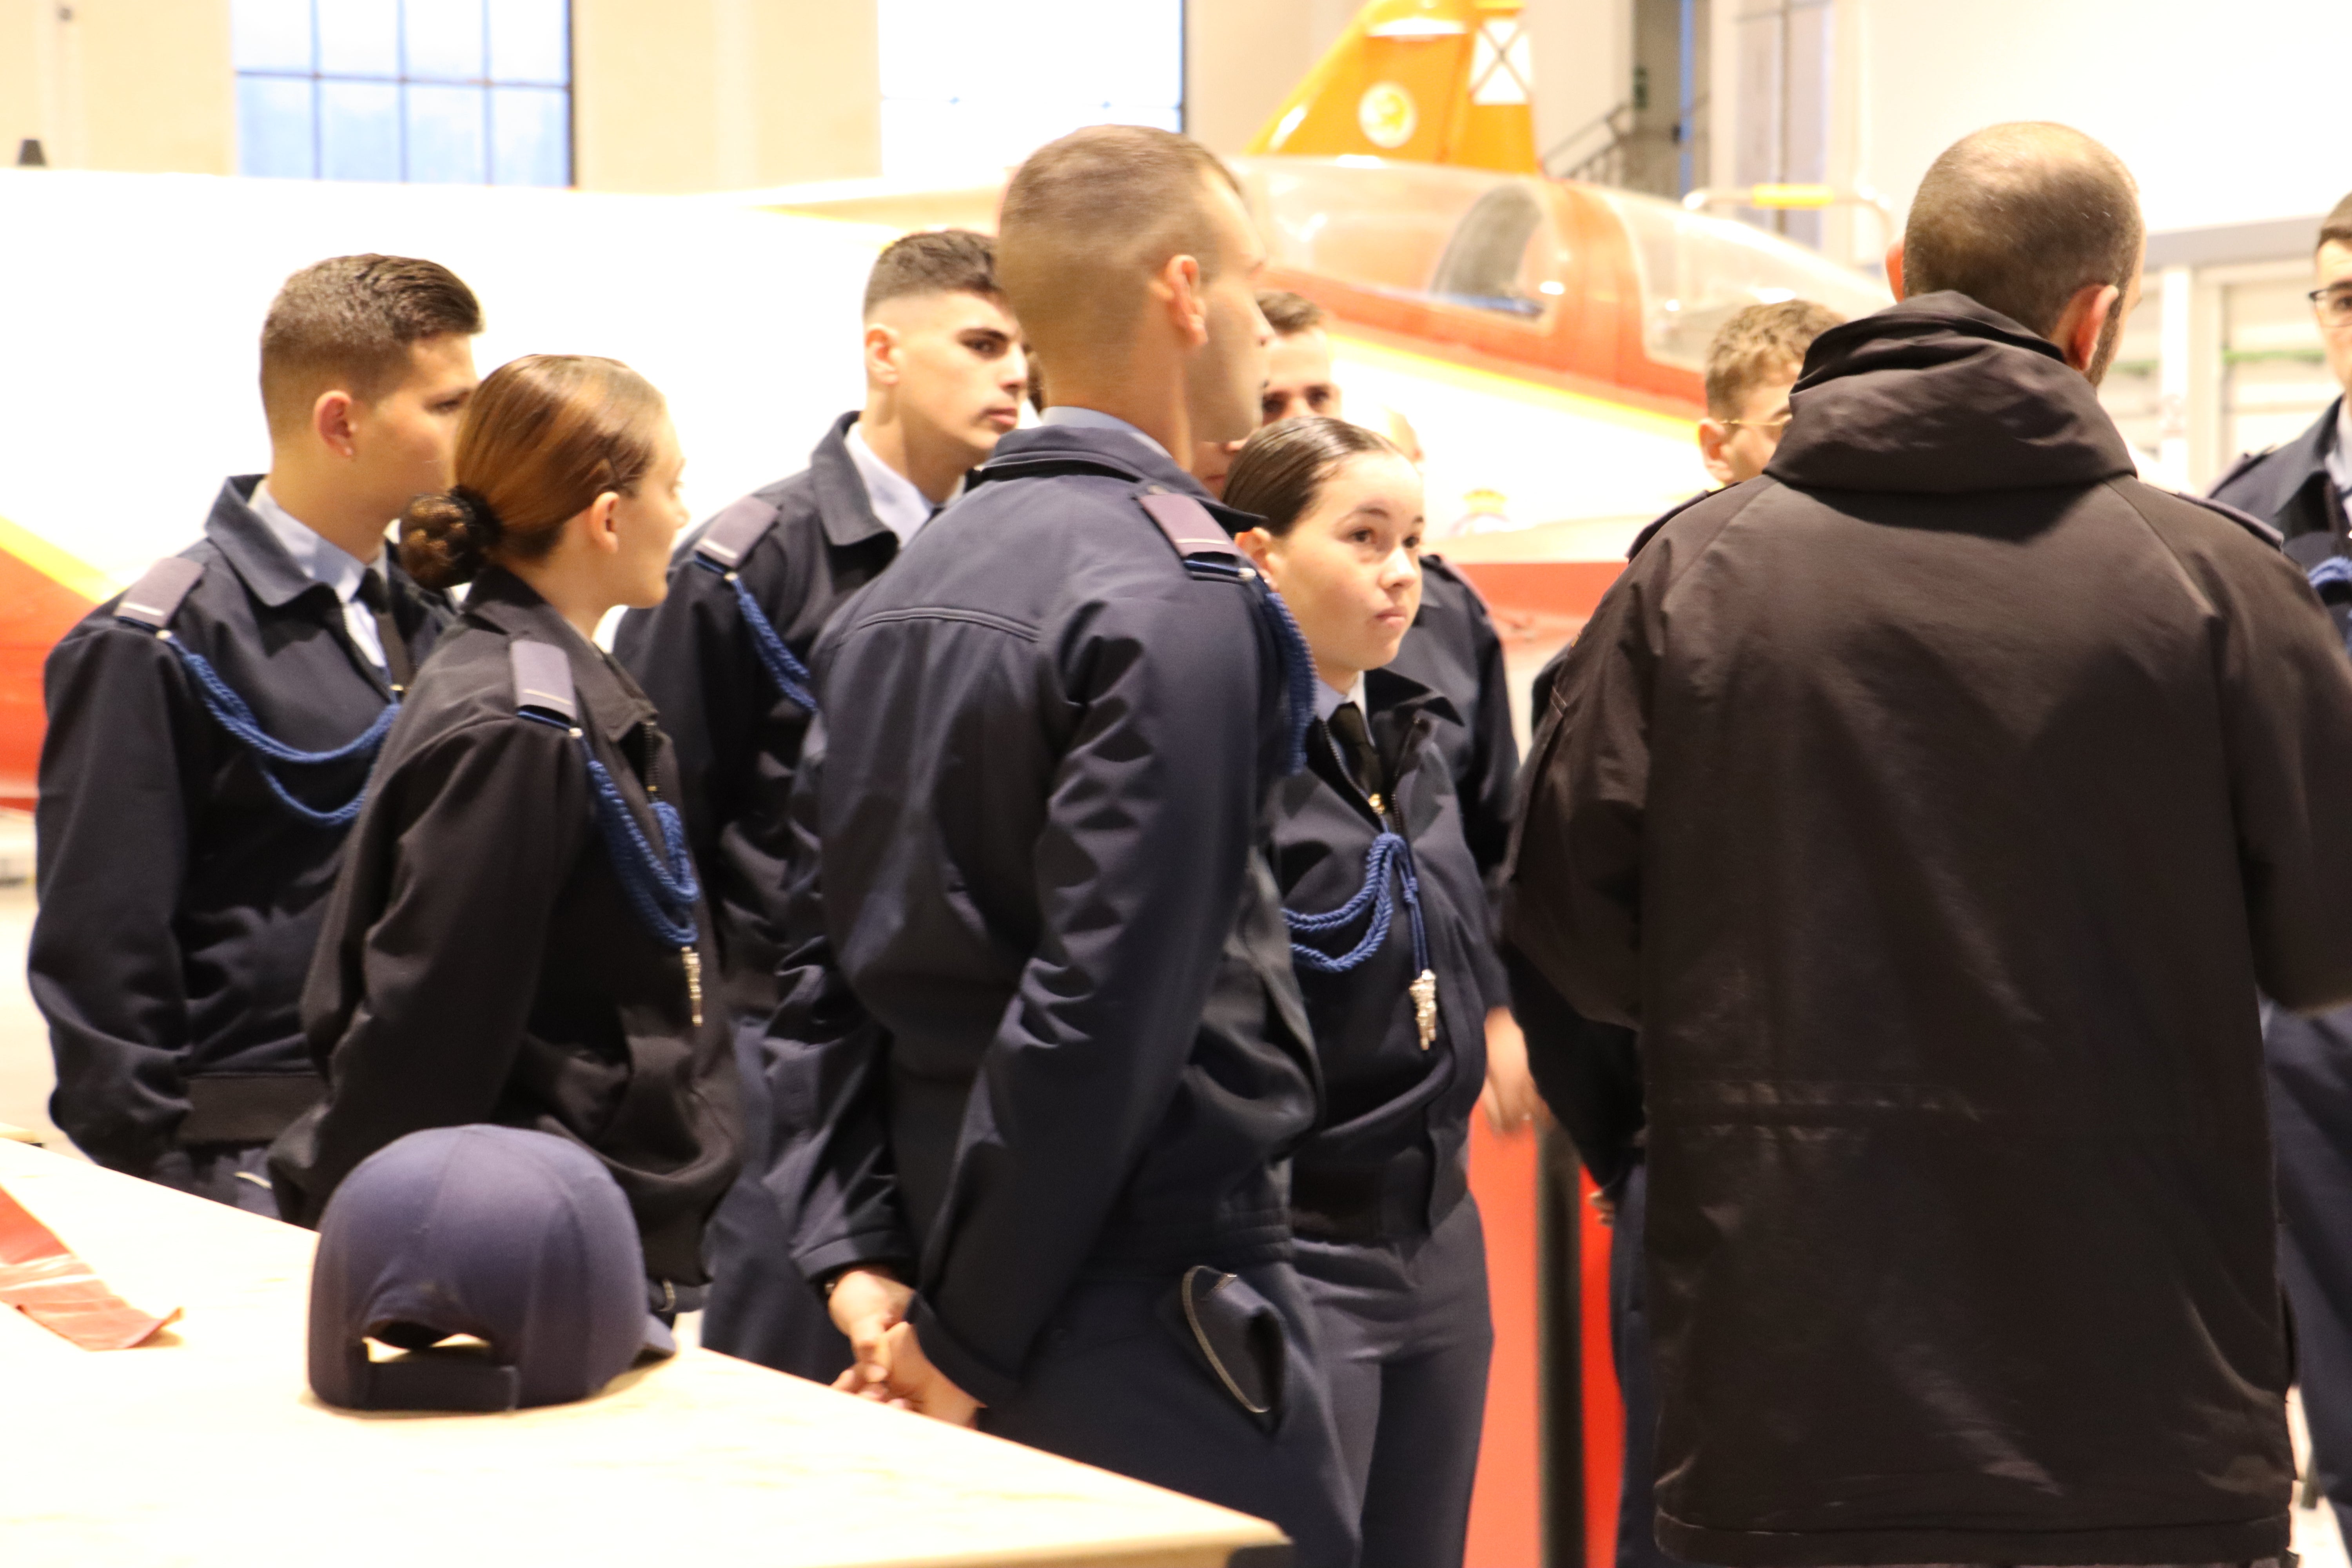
(1384, 903)
(516, 936)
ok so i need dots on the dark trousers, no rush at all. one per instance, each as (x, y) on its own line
(1406, 1339)
(1113, 1382)
(1629, 1345)
(236, 1175)
(2311, 1131)
(759, 1307)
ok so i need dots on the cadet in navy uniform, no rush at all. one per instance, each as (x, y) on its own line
(2301, 490)
(721, 658)
(1051, 732)
(1389, 922)
(210, 732)
(1454, 650)
(517, 936)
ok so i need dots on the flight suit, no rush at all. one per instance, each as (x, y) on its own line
(2310, 1059)
(487, 957)
(1390, 1249)
(1049, 1050)
(180, 892)
(797, 548)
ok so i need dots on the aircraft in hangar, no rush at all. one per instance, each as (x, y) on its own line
(1543, 337)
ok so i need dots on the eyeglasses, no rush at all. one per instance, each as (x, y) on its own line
(2334, 305)
(1769, 426)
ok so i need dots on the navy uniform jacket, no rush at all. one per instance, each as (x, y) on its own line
(1045, 887)
(179, 898)
(1453, 650)
(2288, 487)
(481, 961)
(1390, 1158)
(737, 736)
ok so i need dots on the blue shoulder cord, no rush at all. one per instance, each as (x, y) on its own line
(1290, 647)
(791, 675)
(230, 713)
(663, 899)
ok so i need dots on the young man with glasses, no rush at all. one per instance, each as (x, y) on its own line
(1751, 367)
(2300, 488)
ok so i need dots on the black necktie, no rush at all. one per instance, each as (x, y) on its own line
(1356, 749)
(377, 598)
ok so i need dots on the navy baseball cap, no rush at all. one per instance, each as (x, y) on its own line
(519, 1239)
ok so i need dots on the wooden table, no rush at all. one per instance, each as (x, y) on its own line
(206, 1447)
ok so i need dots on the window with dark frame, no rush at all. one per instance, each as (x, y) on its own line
(423, 91)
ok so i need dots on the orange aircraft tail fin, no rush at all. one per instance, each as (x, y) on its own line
(1429, 81)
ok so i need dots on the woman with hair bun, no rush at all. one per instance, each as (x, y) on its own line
(1384, 903)
(516, 936)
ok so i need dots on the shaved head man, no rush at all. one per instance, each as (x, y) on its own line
(1051, 732)
(1936, 806)
(2038, 222)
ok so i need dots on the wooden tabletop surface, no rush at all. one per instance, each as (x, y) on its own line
(207, 1446)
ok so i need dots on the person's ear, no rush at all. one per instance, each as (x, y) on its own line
(1258, 545)
(1895, 269)
(882, 354)
(2085, 319)
(1713, 435)
(1187, 305)
(601, 527)
(332, 420)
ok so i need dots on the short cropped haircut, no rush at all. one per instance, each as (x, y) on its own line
(1287, 313)
(1089, 219)
(2020, 217)
(2337, 227)
(349, 322)
(1761, 344)
(933, 261)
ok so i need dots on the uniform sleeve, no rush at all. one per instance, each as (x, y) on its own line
(2288, 719)
(121, 767)
(828, 1080)
(1489, 794)
(480, 833)
(1572, 890)
(1150, 825)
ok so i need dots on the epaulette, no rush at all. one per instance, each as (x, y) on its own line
(2247, 520)
(1665, 518)
(1189, 525)
(542, 684)
(156, 598)
(2246, 460)
(734, 533)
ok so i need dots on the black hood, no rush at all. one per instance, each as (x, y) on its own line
(1940, 395)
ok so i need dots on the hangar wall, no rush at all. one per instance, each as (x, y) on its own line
(668, 95)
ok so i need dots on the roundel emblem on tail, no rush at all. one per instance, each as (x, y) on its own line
(1386, 115)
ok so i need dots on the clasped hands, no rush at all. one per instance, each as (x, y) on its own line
(869, 1305)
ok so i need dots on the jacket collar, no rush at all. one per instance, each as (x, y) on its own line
(1058, 447)
(245, 542)
(1941, 395)
(506, 603)
(843, 506)
(1397, 698)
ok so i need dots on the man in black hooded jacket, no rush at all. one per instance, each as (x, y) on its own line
(1935, 806)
